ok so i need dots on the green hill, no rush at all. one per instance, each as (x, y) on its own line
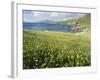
(84, 21)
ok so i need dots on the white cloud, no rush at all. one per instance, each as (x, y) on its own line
(36, 16)
(54, 14)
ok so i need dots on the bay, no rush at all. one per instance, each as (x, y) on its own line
(47, 26)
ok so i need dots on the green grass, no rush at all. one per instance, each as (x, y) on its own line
(55, 49)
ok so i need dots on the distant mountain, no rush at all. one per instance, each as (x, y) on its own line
(49, 21)
(69, 21)
(45, 21)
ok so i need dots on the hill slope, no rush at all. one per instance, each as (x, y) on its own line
(84, 21)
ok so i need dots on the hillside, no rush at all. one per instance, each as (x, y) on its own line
(84, 21)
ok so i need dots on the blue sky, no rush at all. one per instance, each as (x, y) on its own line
(37, 16)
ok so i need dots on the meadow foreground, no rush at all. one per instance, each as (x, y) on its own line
(55, 49)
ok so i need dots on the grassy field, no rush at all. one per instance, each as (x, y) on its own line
(55, 49)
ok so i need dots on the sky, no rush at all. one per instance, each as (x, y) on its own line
(38, 16)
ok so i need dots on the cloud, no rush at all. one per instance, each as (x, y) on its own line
(27, 16)
(54, 14)
(36, 16)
